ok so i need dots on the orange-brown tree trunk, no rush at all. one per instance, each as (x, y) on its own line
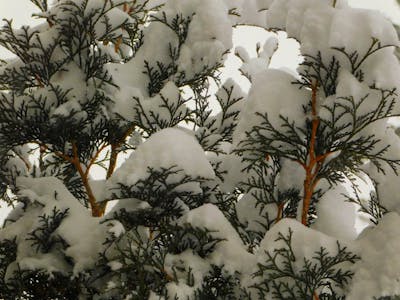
(314, 162)
(316, 297)
(280, 212)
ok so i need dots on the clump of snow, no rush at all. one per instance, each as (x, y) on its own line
(291, 175)
(17, 165)
(82, 233)
(114, 18)
(253, 216)
(124, 102)
(115, 265)
(305, 241)
(116, 228)
(375, 25)
(315, 31)
(253, 66)
(180, 264)
(231, 252)
(378, 273)
(319, 27)
(274, 94)
(231, 96)
(167, 148)
(382, 69)
(161, 109)
(128, 204)
(233, 165)
(386, 139)
(152, 51)
(209, 37)
(349, 90)
(336, 216)
(387, 185)
(249, 12)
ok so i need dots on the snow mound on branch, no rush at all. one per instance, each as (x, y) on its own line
(209, 37)
(348, 87)
(83, 233)
(374, 25)
(170, 147)
(156, 111)
(299, 18)
(255, 218)
(388, 185)
(272, 92)
(378, 273)
(249, 12)
(255, 65)
(305, 241)
(339, 218)
(231, 252)
(185, 260)
(319, 28)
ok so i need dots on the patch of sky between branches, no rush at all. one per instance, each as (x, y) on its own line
(286, 57)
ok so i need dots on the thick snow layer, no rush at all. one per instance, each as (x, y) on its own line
(167, 148)
(231, 252)
(249, 12)
(252, 215)
(83, 233)
(348, 87)
(305, 240)
(209, 37)
(374, 25)
(291, 175)
(180, 265)
(387, 186)
(273, 93)
(163, 108)
(378, 273)
(336, 216)
(233, 165)
(253, 66)
(319, 27)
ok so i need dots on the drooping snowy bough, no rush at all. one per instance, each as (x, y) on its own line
(288, 191)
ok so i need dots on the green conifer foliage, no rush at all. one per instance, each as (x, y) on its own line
(207, 191)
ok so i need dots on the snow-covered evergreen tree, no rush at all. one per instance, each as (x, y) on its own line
(288, 191)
